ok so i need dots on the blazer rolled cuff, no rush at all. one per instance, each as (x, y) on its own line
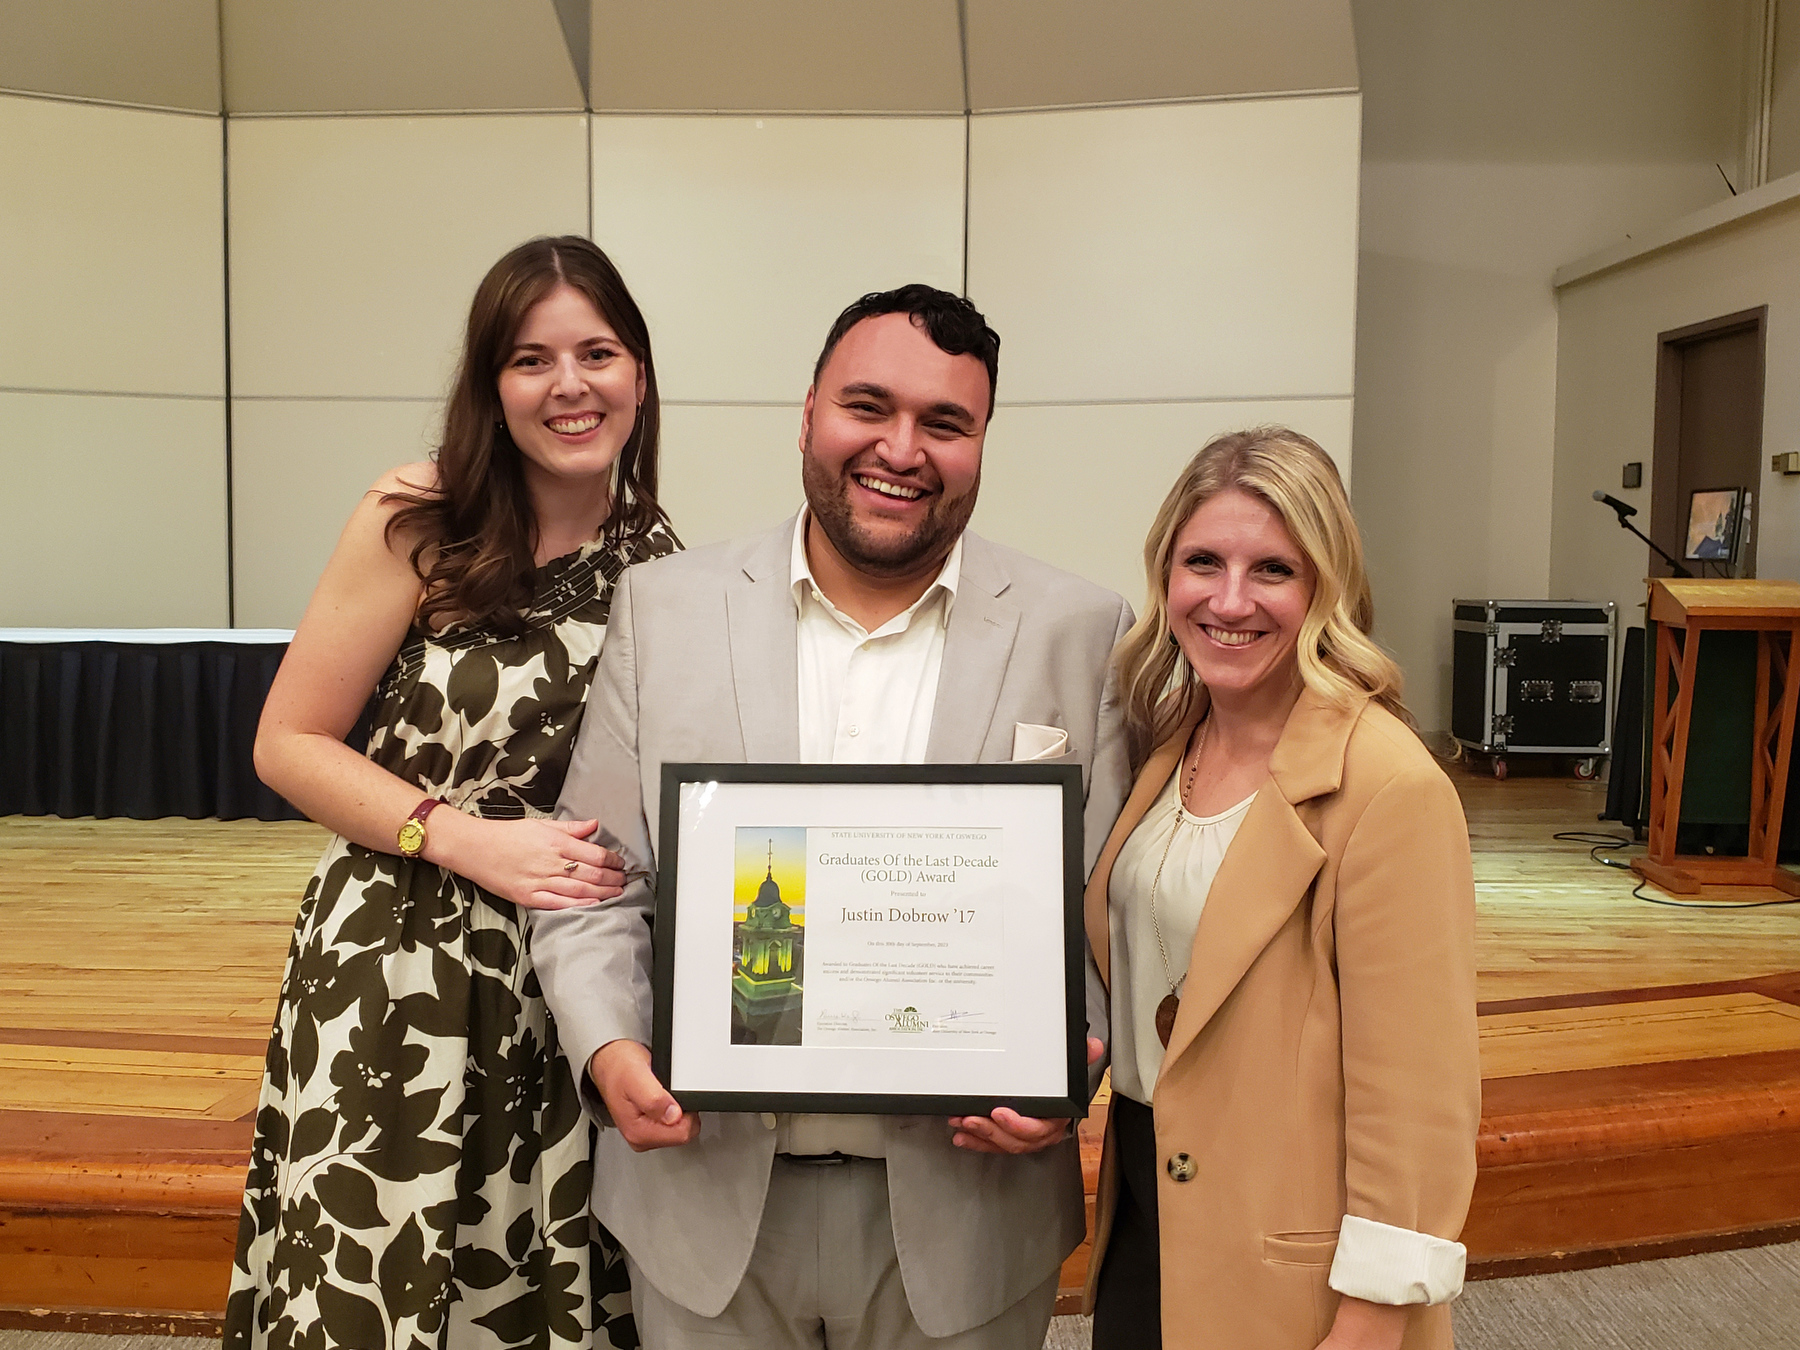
(1380, 1263)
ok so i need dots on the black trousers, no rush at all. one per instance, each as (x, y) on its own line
(1128, 1302)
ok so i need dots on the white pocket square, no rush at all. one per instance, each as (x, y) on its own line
(1031, 741)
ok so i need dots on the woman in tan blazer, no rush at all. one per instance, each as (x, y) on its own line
(1285, 916)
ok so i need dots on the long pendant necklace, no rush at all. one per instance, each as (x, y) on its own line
(1171, 1003)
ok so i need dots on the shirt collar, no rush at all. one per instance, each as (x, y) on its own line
(803, 582)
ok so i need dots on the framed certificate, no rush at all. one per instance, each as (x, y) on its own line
(871, 938)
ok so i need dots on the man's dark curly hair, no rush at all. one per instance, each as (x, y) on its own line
(954, 324)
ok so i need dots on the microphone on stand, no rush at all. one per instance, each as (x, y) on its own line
(1625, 511)
(1623, 508)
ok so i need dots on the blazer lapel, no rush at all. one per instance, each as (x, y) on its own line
(1151, 780)
(1269, 867)
(1265, 873)
(977, 643)
(759, 614)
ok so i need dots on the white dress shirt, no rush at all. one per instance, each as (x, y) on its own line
(865, 698)
(1374, 1261)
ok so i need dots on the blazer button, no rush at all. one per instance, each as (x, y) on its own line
(1181, 1167)
(768, 1120)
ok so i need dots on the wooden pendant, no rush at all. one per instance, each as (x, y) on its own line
(1165, 1018)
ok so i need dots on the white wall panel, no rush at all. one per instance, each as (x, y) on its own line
(1196, 251)
(111, 249)
(357, 242)
(299, 469)
(743, 237)
(113, 512)
(728, 472)
(1078, 486)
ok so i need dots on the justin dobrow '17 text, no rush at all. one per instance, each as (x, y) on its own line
(895, 914)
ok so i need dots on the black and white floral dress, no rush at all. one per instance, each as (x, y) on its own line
(421, 1165)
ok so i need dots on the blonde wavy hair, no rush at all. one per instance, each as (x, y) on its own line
(1337, 658)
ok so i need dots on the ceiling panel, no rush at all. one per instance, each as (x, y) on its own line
(903, 56)
(1055, 53)
(777, 56)
(396, 56)
(164, 55)
(1472, 81)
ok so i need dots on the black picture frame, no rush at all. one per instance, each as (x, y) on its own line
(906, 1098)
(1726, 505)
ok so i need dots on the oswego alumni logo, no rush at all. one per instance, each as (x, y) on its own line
(907, 1019)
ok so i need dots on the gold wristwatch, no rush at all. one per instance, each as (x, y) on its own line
(411, 838)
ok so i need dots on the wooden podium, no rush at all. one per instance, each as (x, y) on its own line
(1684, 610)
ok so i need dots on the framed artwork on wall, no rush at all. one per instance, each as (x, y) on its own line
(1712, 528)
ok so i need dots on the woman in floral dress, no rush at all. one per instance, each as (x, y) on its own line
(421, 1170)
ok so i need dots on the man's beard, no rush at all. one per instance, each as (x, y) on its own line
(828, 498)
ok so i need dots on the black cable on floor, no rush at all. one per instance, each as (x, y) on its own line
(1637, 892)
(1599, 841)
(1608, 842)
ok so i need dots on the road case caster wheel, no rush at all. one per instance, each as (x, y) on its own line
(1499, 767)
(1587, 769)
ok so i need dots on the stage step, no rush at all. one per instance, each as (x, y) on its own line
(1616, 1123)
(117, 1223)
(123, 1223)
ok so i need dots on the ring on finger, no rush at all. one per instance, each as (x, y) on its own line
(570, 866)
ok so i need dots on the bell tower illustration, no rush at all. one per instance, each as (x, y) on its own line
(766, 988)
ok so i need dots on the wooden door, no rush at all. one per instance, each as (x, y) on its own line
(1709, 412)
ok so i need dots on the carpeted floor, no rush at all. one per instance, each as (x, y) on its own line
(1742, 1300)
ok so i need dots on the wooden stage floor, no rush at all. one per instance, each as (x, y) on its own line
(1641, 1063)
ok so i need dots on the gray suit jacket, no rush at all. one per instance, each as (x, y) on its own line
(700, 665)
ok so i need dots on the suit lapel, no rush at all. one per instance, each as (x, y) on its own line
(759, 614)
(977, 643)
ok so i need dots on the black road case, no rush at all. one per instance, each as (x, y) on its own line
(1534, 677)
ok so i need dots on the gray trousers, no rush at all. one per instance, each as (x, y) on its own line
(824, 1276)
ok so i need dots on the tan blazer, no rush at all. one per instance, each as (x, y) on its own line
(1324, 1060)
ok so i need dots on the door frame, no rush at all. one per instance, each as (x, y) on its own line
(1665, 446)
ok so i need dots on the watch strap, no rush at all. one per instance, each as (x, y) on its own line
(411, 836)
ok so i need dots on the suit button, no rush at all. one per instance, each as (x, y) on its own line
(768, 1120)
(1181, 1167)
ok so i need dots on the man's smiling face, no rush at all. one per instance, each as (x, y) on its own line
(891, 446)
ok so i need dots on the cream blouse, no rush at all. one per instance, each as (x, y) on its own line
(1194, 847)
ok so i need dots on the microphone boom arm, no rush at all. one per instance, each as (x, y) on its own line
(1660, 552)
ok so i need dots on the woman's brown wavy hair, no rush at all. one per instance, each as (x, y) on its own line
(1337, 658)
(475, 533)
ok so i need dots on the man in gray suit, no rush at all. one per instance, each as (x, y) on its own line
(871, 628)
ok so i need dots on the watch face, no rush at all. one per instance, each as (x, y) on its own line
(412, 838)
